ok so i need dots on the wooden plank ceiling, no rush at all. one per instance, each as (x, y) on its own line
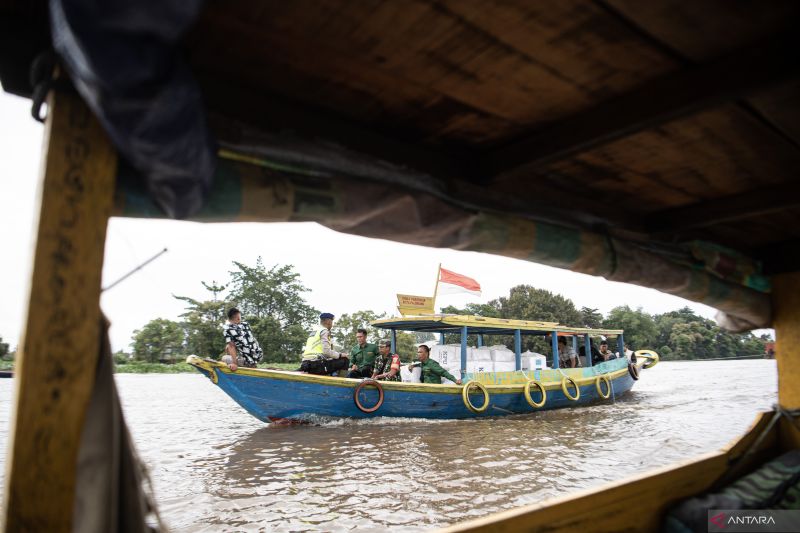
(664, 121)
(671, 121)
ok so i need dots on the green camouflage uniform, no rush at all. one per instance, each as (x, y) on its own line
(383, 365)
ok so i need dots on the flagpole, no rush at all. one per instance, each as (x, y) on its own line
(436, 288)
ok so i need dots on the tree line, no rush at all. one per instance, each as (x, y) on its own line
(273, 301)
(681, 334)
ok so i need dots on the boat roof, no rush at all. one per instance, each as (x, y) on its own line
(653, 143)
(479, 324)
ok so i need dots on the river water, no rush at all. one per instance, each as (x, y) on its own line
(215, 468)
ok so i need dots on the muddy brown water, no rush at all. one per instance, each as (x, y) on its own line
(216, 468)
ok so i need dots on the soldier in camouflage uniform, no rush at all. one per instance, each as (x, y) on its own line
(387, 364)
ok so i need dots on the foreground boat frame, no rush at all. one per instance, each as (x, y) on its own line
(56, 363)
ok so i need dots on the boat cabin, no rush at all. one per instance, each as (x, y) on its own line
(484, 327)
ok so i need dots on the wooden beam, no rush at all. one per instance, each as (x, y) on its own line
(59, 344)
(762, 201)
(297, 134)
(780, 257)
(786, 319)
(286, 133)
(655, 102)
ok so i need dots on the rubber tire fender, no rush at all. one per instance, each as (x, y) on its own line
(360, 386)
(468, 402)
(600, 379)
(565, 389)
(527, 393)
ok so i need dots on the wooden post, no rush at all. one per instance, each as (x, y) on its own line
(554, 343)
(464, 334)
(394, 341)
(587, 348)
(786, 319)
(517, 350)
(59, 344)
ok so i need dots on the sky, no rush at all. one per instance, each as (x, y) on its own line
(357, 273)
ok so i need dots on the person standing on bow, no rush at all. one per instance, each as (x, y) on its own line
(319, 357)
(362, 356)
(432, 372)
(387, 364)
(241, 346)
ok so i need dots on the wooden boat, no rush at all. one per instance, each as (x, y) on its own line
(271, 395)
(645, 148)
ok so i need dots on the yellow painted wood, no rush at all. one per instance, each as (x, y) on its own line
(489, 323)
(59, 344)
(786, 319)
(635, 504)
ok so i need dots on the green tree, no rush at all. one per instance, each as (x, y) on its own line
(203, 322)
(345, 328)
(640, 328)
(525, 302)
(406, 346)
(272, 302)
(590, 318)
(4, 349)
(159, 339)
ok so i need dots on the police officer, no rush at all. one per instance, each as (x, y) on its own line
(319, 356)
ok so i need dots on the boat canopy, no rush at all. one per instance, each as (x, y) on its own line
(483, 325)
(604, 138)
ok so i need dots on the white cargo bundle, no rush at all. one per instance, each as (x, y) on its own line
(410, 377)
(505, 366)
(479, 366)
(502, 355)
(447, 355)
(484, 353)
(533, 361)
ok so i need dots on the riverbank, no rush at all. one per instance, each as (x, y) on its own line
(141, 367)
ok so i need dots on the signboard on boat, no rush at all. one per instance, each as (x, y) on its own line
(409, 304)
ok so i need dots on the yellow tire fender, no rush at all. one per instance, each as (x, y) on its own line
(565, 388)
(651, 356)
(527, 394)
(465, 396)
(599, 384)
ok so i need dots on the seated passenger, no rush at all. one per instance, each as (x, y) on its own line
(605, 353)
(319, 357)
(567, 357)
(362, 356)
(387, 364)
(432, 372)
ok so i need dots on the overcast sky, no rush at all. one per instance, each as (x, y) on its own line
(357, 273)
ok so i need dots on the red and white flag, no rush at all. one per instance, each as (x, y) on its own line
(452, 283)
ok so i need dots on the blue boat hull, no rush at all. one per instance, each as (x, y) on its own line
(270, 394)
